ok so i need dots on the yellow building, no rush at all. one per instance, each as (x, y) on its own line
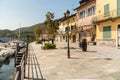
(69, 20)
(107, 21)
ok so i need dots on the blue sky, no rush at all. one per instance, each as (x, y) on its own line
(24, 13)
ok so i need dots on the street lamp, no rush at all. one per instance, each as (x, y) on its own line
(80, 37)
(68, 46)
(68, 29)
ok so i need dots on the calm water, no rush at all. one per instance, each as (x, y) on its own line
(7, 69)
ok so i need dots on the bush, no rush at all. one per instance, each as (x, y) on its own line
(49, 46)
(38, 41)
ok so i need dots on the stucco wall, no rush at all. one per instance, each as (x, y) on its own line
(99, 29)
(100, 5)
(87, 19)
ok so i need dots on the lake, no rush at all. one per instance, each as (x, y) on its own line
(7, 69)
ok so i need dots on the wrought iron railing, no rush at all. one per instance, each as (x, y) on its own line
(20, 67)
(110, 15)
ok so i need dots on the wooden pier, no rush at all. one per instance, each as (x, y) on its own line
(26, 63)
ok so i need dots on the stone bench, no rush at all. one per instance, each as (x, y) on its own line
(93, 42)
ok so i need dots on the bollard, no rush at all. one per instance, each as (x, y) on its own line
(18, 68)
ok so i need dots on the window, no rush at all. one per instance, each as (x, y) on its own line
(73, 20)
(82, 14)
(91, 11)
(72, 27)
(106, 10)
(67, 29)
(107, 32)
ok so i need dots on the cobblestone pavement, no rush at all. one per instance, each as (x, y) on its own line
(98, 63)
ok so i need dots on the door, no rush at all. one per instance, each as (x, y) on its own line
(74, 38)
(118, 35)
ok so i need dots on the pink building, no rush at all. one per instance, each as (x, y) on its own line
(85, 13)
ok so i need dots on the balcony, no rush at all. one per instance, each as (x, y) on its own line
(107, 16)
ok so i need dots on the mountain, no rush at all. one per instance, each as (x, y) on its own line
(28, 29)
(24, 31)
(5, 31)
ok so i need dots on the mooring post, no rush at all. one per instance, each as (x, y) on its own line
(18, 68)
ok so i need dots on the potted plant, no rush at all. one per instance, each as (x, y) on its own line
(84, 45)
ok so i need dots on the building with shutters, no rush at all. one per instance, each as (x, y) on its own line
(85, 12)
(107, 21)
(69, 20)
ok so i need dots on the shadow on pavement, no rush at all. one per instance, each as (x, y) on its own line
(70, 48)
(88, 51)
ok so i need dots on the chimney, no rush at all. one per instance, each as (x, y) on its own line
(67, 13)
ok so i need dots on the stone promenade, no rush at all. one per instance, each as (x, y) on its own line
(98, 63)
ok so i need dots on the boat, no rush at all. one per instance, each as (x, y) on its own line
(6, 53)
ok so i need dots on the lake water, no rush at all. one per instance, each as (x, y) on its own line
(7, 69)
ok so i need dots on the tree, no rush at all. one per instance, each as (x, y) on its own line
(38, 31)
(51, 25)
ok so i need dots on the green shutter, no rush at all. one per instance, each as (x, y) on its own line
(106, 10)
(107, 32)
(118, 7)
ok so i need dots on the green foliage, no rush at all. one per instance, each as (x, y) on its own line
(49, 46)
(39, 30)
(38, 41)
(25, 29)
(51, 25)
(13, 34)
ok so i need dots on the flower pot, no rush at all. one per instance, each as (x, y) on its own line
(84, 45)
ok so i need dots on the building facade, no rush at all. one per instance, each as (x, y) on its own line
(107, 21)
(61, 31)
(69, 20)
(85, 12)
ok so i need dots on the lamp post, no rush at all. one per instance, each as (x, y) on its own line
(68, 29)
(68, 46)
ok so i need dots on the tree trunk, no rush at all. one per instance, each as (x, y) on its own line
(52, 41)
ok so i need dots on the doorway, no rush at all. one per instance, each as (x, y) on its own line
(118, 35)
(74, 38)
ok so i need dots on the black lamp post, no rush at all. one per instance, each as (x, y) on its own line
(68, 29)
(68, 46)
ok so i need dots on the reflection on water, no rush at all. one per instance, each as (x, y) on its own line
(6, 69)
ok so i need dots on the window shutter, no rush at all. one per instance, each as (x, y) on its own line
(118, 7)
(106, 10)
(107, 32)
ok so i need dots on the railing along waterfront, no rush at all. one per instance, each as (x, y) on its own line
(20, 63)
(110, 15)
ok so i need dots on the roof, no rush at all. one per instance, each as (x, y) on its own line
(65, 18)
(83, 3)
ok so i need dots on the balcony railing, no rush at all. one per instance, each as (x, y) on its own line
(107, 16)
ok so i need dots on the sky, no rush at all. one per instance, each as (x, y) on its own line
(24, 13)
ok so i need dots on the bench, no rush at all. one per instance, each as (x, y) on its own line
(93, 42)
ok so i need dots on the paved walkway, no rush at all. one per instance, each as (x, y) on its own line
(33, 71)
(98, 63)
